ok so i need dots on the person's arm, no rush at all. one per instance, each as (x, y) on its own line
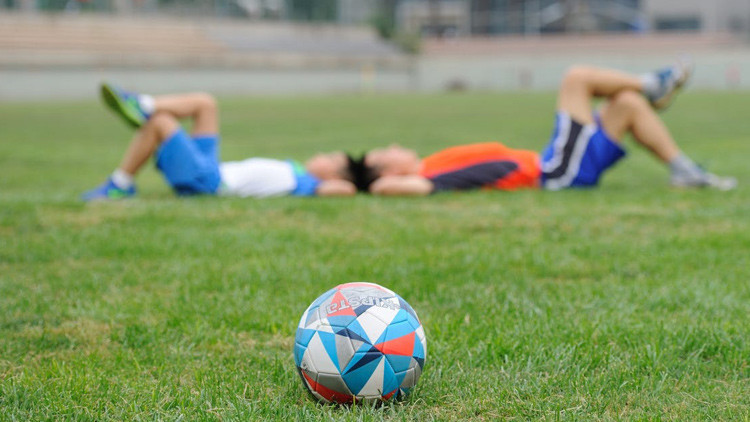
(336, 188)
(402, 186)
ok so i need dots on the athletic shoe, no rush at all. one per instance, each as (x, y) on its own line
(705, 180)
(125, 104)
(108, 191)
(671, 80)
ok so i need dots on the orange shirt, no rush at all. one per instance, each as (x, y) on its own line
(487, 165)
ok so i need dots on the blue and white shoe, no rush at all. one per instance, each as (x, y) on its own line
(125, 104)
(108, 191)
(670, 81)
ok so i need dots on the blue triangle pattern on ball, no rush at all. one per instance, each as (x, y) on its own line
(395, 331)
(329, 342)
(359, 310)
(312, 316)
(304, 335)
(352, 335)
(400, 377)
(341, 320)
(356, 378)
(362, 359)
(356, 328)
(402, 315)
(405, 306)
(390, 382)
(420, 361)
(399, 363)
(299, 351)
(323, 297)
(418, 348)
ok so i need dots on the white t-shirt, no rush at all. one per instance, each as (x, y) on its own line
(257, 177)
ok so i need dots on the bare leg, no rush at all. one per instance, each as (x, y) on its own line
(582, 84)
(627, 112)
(163, 112)
(200, 107)
(156, 130)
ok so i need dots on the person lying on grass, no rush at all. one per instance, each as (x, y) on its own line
(190, 162)
(584, 143)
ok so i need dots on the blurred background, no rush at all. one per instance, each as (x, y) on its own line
(62, 48)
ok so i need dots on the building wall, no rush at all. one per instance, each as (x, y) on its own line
(495, 16)
(356, 11)
(445, 17)
(716, 15)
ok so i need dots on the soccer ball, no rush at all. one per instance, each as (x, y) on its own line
(359, 342)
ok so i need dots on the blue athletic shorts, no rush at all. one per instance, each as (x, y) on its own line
(190, 165)
(577, 154)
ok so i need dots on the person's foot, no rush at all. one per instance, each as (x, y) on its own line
(125, 104)
(108, 191)
(704, 180)
(667, 83)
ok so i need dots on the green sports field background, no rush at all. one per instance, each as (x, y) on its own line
(627, 302)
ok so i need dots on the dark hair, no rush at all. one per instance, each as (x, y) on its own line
(361, 175)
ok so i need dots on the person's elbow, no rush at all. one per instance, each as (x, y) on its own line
(336, 188)
(380, 186)
(401, 186)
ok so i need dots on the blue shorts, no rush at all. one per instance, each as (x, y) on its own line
(577, 154)
(190, 165)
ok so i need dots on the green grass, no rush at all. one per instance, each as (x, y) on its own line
(628, 302)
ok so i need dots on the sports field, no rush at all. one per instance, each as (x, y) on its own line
(627, 302)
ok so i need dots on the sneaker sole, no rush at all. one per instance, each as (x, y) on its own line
(666, 101)
(114, 102)
(726, 187)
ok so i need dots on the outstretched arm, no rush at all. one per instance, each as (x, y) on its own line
(402, 186)
(336, 188)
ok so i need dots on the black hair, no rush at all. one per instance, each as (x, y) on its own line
(361, 174)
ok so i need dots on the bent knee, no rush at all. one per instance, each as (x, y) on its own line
(162, 122)
(160, 118)
(206, 100)
(629, 99)
(577, 75)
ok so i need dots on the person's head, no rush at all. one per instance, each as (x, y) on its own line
(341, 166)
(394, 160)
(361, 175)
(362, 172)
(329, 166)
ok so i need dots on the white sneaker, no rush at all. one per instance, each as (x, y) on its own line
(671, 80)
(705, 180)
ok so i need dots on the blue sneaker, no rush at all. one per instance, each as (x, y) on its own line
(671, 80)
(125, 104)
(108, 191)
